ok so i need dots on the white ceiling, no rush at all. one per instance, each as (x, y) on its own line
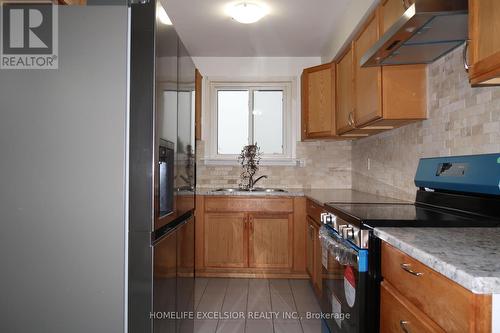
(294, 28)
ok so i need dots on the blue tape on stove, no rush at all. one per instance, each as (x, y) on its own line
(363, 261)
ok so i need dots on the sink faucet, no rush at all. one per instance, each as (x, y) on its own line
(251, 182)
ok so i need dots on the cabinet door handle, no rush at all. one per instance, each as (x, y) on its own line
(407, 268)
(465, 52)
(350, 120)
(402, 324)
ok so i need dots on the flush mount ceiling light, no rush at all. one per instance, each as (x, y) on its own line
(247, 12)
(161, 15)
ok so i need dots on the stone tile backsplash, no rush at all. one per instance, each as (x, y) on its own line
(461, 121)
(327, 164)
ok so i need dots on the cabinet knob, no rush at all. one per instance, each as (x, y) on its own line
(403, 324)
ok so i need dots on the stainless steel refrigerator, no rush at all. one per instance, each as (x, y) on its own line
(82, 246)
(162, 79)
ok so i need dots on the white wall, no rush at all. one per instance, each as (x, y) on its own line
(260, 68)
(350, 22)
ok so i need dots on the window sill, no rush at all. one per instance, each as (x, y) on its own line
(265, 162)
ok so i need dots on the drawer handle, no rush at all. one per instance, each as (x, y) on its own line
(407, 268)
(402, 324)
(464, 55)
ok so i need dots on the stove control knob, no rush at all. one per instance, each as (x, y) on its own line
(348, 233)
(340, 228)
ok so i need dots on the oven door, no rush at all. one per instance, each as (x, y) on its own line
(344, 279)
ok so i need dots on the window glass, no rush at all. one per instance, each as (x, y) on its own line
(268, 121)
(232, 120)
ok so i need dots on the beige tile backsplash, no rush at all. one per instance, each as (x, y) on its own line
(327, 165)
(462, 120)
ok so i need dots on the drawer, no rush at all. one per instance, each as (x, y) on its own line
(398, 315)
(447, 303)
(252, 205)
(314, 210)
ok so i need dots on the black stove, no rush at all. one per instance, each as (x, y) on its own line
(462, 191)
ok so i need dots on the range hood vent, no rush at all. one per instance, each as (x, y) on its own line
(428, 30)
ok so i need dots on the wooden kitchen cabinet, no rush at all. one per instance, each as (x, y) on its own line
(368, 81)
(429, 297)
(313, 245)
(310, 247)
(397, 314)
(345, 96)
(384, 97)
(240, 236)
(270, 240)
(318, 102)
(484, 51)
(226, 240)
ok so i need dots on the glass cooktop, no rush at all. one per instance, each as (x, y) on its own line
(394, 215)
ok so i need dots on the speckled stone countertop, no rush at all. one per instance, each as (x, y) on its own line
(320, 196)
(290, 192)
(468, 256)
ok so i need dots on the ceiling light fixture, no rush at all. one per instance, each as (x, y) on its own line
(161, 15)
(247, 12)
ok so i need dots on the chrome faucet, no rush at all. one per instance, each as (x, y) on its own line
(251, 182)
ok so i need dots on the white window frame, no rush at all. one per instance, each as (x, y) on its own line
(287, 85)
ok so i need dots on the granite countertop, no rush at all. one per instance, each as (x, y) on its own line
(320, 196)
(290, 192)
(468, 256)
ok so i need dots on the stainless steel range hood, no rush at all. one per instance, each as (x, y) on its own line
(427, 30)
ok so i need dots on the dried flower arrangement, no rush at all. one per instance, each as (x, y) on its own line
(249, 159)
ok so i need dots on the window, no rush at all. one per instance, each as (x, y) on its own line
(246, 113)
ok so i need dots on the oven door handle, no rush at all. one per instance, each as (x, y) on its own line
(341, 252)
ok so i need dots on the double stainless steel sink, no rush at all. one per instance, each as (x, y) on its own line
(253, 190)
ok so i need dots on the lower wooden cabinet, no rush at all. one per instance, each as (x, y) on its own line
(270, 241)
(399, 315)
(313, 245)
(226, 240)
(250, 236)
(429, 297)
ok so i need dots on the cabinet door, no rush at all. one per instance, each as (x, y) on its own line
(270, 240)
(310, 248)
(484, 28)
(345, 90)
(368, 100)
(398, 315)
(317, 276)
(318, 101)
(225, 241)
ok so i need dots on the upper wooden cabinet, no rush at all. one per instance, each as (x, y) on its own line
(368, 81)
(383, 97)
(318, 102)
(484, 53)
